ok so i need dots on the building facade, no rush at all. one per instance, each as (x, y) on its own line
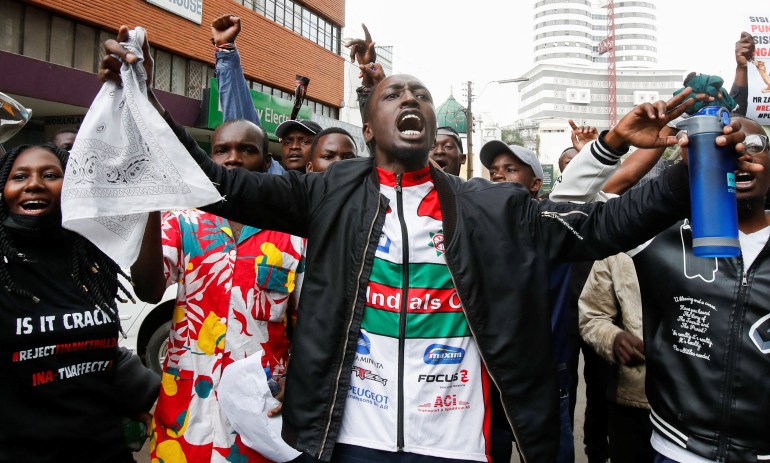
(569, 79)
(54, 48)
(567, 32)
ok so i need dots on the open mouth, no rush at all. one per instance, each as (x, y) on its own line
(441, 162)
(744, 181)
(410, 125)
(34, 206)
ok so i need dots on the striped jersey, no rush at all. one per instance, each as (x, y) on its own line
(418, 384)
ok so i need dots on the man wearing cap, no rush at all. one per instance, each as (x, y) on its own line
(447, 151)
(516, 164)
(296, 139)
(512, 163)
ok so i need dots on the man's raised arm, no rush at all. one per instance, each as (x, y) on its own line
(233, 91)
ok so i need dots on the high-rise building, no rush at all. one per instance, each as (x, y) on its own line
(569, 31)
(570, 79)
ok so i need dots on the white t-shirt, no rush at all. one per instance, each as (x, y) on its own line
(752, 244)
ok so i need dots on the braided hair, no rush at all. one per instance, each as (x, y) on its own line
(94, 274)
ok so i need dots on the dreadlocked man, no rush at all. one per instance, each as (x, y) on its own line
(61, 372)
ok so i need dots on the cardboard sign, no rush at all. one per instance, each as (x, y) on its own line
(759, 70)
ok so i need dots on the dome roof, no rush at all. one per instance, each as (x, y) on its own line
(452, 114)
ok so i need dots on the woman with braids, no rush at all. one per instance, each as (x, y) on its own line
(65, 385)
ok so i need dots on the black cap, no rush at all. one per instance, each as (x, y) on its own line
(307, 126)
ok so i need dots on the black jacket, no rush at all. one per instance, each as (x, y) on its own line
(706, 325)
(499, 243)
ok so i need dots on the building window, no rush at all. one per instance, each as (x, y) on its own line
(299, 19)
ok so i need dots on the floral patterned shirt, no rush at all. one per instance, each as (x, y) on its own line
(231, 302)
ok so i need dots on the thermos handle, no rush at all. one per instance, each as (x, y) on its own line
(724, 116)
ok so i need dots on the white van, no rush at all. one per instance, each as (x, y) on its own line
(147, 327)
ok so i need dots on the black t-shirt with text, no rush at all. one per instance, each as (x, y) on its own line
(57, 363)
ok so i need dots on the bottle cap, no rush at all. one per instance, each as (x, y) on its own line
(708, 120)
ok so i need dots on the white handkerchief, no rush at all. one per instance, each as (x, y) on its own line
(127, 162)
(245, 399)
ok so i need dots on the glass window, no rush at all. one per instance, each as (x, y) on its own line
(178, 74)
(270, 9)
(321, 32)
(288, 14)
(329, 39)
(279, 9)
(260, 7)
(298, 19)
(336, 39)
(314, 27)
(305, 23)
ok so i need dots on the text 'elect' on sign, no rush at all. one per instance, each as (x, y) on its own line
(188, 9)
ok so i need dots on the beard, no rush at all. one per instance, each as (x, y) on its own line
(412, 156)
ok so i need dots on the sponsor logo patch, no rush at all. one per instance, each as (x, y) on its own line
(461, 376)
(437, 242)
(364, 374)
(440, 354)
(444, 403)
(368, 397)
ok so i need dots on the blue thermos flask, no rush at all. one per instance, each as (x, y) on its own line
(712, 185)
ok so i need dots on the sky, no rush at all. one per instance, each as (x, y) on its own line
(446, 43)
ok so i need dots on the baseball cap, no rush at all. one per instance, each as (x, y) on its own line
(495, 147)
(305, 125)
(452, 133)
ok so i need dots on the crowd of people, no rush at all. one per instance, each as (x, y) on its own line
(401, 313)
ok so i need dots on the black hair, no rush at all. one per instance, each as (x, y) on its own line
(328, 131)
(265, 141)
(95, 275)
